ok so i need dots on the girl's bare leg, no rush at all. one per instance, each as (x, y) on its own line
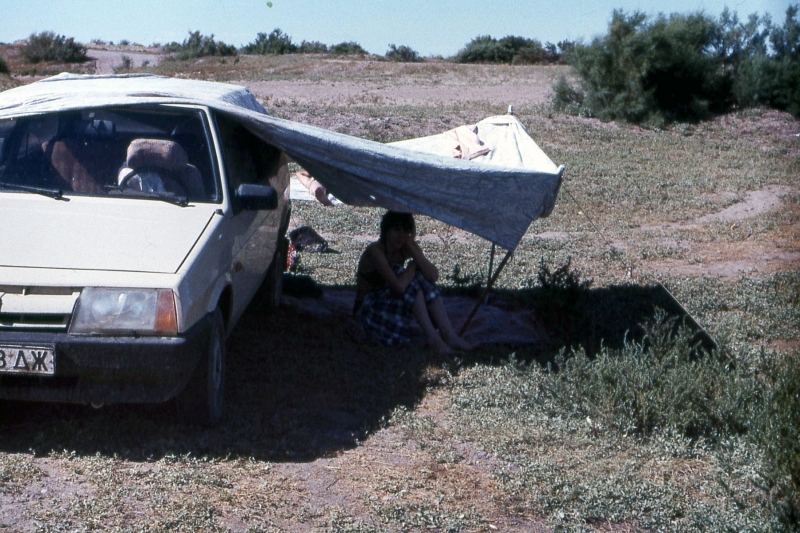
(439, 317)
(420, 311)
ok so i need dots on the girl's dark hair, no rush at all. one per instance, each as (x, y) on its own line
(395, 219)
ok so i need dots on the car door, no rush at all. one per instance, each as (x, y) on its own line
(254, 234)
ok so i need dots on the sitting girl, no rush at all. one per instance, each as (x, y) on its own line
(390, 292)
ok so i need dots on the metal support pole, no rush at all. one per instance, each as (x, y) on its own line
(486, 291)
(491, 266)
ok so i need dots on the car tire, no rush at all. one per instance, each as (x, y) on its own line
(202, 401)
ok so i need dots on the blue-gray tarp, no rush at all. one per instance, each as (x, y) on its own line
(492, 199)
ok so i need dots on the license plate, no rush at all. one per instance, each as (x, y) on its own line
(31, 360)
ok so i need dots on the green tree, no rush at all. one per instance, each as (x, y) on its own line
(784, 89)
(685, 81)
(313, 47)
(199, 45)
(684, 67)
(348, 48)
(402, 54)
(276, 42)
(510, 50)
(673, 68)
(47, 46)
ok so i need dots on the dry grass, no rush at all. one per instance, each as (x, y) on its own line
(325, 434)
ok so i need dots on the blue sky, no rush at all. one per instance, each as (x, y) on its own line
(431, 27)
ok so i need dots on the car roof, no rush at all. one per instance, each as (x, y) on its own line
(74, 91)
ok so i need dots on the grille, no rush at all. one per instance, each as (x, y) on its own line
(36, 308)
(19, 321)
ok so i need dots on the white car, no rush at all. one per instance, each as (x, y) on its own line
(132, 238)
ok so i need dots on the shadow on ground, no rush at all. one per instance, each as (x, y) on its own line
(300, 387)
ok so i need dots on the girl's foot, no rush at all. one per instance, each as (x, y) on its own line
(460, 344)
(441, 347)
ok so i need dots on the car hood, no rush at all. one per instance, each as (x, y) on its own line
(85, 233)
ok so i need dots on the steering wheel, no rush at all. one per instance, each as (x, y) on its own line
(123, 183)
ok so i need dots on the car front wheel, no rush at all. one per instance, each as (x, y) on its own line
(202, 402)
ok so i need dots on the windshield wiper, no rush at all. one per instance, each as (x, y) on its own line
(57, 194)
(168, 197)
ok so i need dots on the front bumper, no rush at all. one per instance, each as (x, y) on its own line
(95, 369)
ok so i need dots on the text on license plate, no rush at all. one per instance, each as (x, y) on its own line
(37, 360)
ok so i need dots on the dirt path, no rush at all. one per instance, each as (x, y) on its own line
(745, 256)
(108, 60)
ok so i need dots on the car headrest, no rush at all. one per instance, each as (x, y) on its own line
(159, 153)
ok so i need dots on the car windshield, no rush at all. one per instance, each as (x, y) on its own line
(158, 152)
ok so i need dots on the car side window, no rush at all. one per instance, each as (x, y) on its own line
(248, 159)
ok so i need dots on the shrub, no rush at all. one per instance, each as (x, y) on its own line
(313, 47)
(485, 49)
(561, 299)
(510, 49)
(772, 79)
(657, 384)
(402, 54)
(640, 71)
(4, 66)
(276, 42)
(684, 67)
(198, 45)
(47, 46)
(348, 48)
(566, 98)
(125, 65)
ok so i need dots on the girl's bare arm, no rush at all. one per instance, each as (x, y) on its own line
(426, 268)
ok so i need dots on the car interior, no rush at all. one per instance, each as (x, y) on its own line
(123, 151)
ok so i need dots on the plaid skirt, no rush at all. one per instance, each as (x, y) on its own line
(388, 316)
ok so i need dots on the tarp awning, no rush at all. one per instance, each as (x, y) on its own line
(496, 199)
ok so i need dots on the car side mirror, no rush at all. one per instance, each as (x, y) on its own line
(252, 197)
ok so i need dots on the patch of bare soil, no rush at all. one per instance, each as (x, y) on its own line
(395, 470)
(763, 129)
(380, 93)
(109, 59)
(741, 255)
(379, 83)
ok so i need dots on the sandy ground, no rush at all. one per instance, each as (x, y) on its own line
(293, 92)
(107, 60)
(339, 479)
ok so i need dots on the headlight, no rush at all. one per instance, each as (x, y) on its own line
(125, 311)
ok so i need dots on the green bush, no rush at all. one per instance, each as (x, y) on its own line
(47, 46)
(402, 54)
(276, 42)
(198, 45)
(644, 71)
(684, 67)
(125, 65)
(348, 48)
(771, 80)
(510, 50)
(313, 47)
(566, 98)
(561, 298)
(657, 384)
